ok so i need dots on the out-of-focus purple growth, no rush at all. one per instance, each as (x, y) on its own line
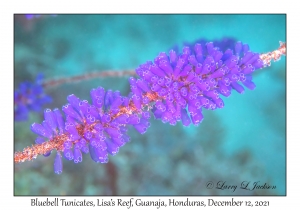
(29, 97)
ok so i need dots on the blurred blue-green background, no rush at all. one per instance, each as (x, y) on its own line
(244, 141)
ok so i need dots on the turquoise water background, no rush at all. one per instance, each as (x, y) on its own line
(244, 141)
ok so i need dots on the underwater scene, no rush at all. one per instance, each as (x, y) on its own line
(238, 147)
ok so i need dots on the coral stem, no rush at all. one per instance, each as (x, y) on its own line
(274, 55)
(92, 75)
(32, 152)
